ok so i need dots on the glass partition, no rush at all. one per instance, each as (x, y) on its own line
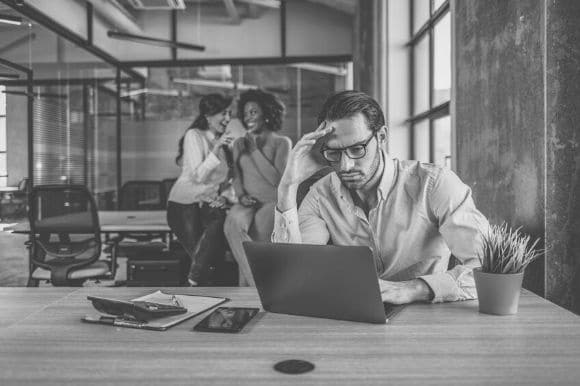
(74, 113)
(171, 97)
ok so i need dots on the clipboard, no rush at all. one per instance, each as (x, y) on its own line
(195, 305)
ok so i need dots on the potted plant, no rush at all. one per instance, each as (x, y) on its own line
(504, 256)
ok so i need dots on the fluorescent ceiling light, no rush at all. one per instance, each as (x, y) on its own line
(9, 19)
(320, 68)
(263, 3)
(215, 83)
(153, 41)
(153, 91)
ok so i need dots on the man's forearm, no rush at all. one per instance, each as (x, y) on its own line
(286, 197)
(403, 292)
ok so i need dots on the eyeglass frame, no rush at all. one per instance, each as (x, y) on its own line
(345, 149)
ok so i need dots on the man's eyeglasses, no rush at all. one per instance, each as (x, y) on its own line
(353, 152)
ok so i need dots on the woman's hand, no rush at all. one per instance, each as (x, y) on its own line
(218, 202)
(250, 143)
(225, 140)
(248, 201)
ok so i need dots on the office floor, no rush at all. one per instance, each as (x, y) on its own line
(14, 260)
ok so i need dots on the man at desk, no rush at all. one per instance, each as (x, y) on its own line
(412, 215)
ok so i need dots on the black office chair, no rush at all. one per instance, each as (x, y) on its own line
(305, 185)
(65, 236)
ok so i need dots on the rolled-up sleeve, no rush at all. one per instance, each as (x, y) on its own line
(199, 167)
(462, 227)
(300, 226)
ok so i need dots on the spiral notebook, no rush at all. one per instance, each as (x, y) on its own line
(195, 304)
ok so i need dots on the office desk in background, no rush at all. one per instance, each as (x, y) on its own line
(112, 221)
(149, 222)
(43, 341)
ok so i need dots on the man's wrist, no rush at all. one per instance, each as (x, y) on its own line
(422, 290)
(286, 197)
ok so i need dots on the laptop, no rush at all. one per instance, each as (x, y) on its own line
(325, 281)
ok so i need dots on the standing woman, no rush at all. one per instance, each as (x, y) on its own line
(195, 206)
(259, 161)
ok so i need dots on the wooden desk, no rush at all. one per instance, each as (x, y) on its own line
(112, 221)
(45, 343)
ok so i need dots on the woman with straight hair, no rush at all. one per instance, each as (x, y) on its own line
(259, 161)
(196, 206)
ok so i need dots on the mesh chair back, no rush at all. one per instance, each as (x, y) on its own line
(64, 227)
(142, 195)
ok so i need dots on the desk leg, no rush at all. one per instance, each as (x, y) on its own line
(31, 282)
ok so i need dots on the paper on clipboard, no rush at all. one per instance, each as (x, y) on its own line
(195, 304)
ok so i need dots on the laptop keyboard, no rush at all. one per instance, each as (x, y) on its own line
(391, 310)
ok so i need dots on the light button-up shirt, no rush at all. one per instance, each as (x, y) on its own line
(202, 171)
(424, 213)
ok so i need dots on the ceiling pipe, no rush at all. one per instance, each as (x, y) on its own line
(114, 14)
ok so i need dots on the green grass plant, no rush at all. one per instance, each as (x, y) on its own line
(506, 250)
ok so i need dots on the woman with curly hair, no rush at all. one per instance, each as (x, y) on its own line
(259, 161)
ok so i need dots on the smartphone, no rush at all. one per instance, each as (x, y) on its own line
(226, 319)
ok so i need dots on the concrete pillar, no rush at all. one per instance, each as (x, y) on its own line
(517, 108)
(370, 45)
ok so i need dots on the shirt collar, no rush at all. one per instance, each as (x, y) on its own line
(387, 179)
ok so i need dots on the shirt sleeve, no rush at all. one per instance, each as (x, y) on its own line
(462, 226)
(193, 155)
(300, 226)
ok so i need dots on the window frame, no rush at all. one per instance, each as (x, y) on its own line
(433, 112)
(4, 151)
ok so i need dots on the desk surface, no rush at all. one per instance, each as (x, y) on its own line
(116, 221)
(43, 341)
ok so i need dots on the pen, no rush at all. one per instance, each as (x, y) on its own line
(120, 322)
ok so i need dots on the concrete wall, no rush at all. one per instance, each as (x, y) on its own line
(317, 30)
(562, 104)
(517, 108)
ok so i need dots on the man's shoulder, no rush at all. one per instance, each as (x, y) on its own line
(423, 171)
(429, 178)
(319, 183)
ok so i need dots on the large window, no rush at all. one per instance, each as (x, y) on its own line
(430, 81)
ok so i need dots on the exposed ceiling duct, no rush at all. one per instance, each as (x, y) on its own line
(116, 16)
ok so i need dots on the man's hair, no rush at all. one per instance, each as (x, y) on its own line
(346, 104)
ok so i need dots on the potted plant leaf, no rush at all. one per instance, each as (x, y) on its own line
(505, 254)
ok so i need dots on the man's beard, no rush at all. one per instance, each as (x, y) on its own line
(357, 179)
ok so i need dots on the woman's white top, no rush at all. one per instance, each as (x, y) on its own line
(202, 171)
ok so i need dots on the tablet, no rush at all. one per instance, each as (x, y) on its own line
(226, 319)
